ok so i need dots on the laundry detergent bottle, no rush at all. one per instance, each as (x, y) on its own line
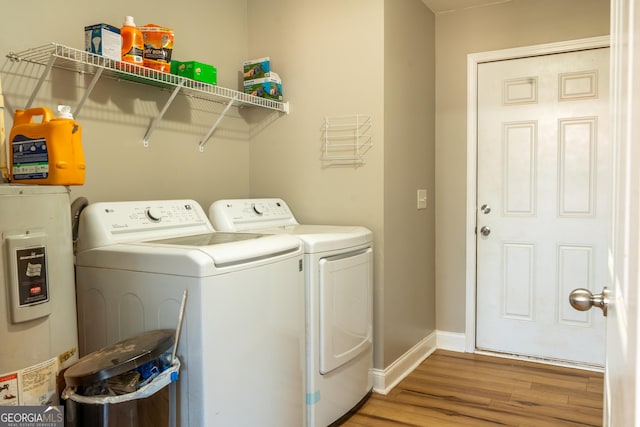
(132, 42)
(47, 152)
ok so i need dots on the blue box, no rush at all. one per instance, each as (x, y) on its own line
(103, 39)
(269, 87)
(256, 68)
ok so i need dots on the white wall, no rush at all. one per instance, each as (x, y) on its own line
(117, 115)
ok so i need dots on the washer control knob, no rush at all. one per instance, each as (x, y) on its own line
(256, 210)
(154, 214)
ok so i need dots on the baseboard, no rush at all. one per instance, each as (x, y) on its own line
(386, 379)
(453, 341)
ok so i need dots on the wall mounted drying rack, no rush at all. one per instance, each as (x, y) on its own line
(346, 139)
(80, 61)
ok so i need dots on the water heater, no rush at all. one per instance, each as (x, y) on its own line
(38, 327)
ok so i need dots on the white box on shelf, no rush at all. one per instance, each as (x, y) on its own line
(103, 39)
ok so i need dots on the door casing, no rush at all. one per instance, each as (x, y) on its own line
(472, 142)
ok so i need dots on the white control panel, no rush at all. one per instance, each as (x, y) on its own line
(113, 222)
(132, 216)
(243, 214)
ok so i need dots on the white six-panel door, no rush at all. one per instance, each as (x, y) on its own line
(543, 198)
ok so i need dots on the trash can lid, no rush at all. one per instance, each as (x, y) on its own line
(120, 357)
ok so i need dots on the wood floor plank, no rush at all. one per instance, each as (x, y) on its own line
(416, 414)
(593, 397)
(555, 415)
(478, 392)
(596, 384)
(509, 371)
(464, 412)
(589, 402)
(466, 389)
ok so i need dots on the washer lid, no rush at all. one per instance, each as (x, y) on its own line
(120, 357)
(209, 239)
(185, 257)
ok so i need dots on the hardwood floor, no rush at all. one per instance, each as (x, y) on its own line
(464, 389)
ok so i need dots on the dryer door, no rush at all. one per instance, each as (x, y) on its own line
(346, 305)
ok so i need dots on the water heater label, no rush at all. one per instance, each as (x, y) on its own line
(29, 293)
(30, 158)
(32, 276)
(31, 385)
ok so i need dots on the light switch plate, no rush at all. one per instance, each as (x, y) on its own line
(422, 199)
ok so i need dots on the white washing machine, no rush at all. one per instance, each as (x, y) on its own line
(242, 340)
(339, 302)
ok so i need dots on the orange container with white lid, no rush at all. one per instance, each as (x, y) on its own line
(132, 42)
(49, 152)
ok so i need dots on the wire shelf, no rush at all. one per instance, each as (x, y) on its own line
(80, 61)
(83, 62)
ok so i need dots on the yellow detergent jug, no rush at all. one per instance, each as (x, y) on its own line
(49, 152)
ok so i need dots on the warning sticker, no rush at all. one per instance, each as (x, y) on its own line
(68, 356)
(32, 276)
(33, 385)
(9, 389)
(38, 384)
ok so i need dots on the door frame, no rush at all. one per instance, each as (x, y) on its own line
(473, 60)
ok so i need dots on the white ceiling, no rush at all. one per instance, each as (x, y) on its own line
(440, 6)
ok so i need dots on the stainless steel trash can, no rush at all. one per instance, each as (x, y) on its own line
(127, 384)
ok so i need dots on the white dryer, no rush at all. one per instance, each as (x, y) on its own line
(339, 302)
(242, 340)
